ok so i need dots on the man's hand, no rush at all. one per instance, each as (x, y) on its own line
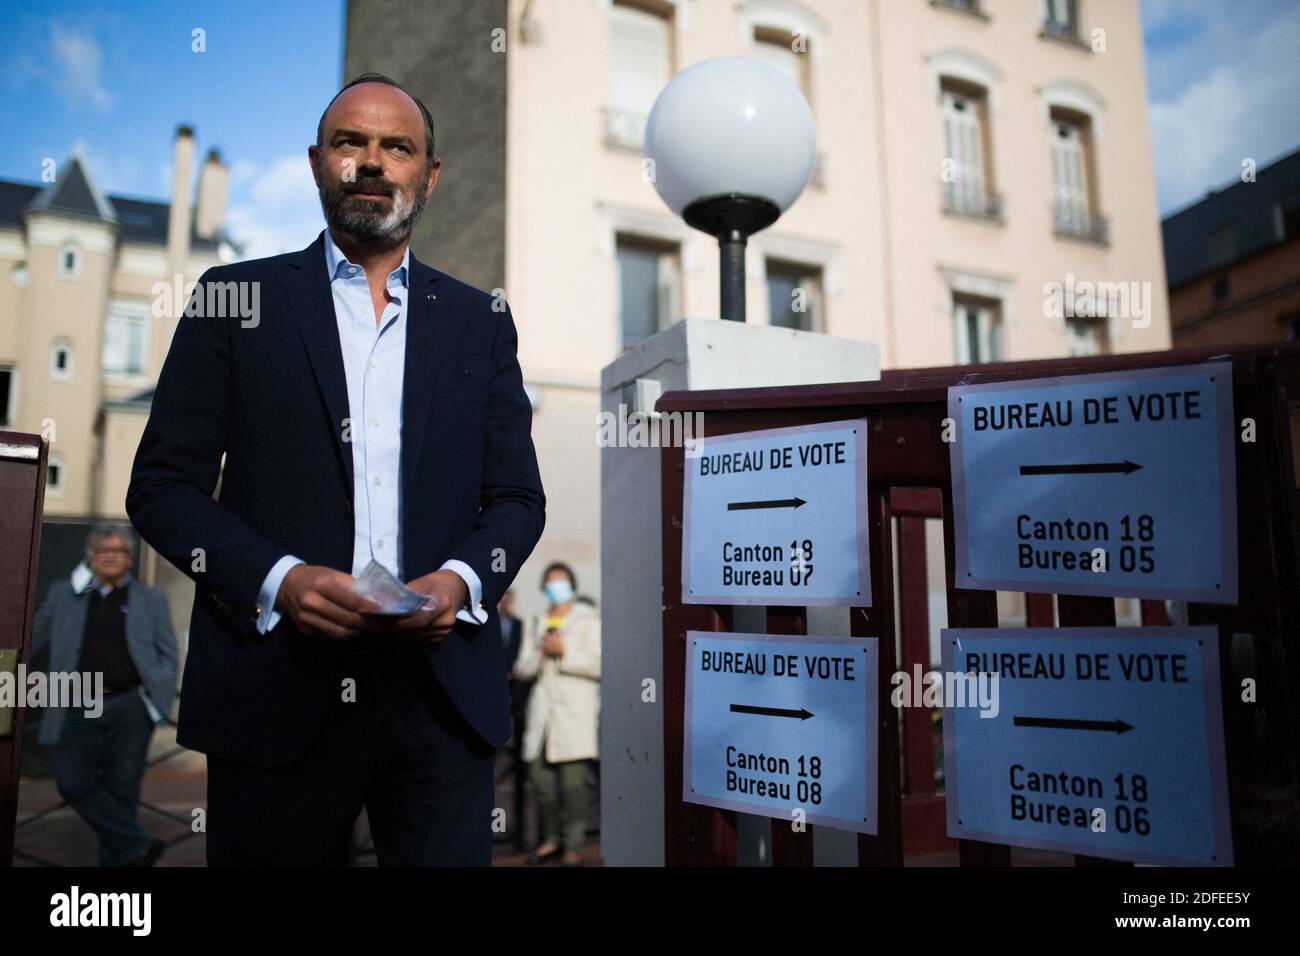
(449, 593)
(553, 644)
(321, 603)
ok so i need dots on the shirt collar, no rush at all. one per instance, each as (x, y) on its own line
(339, 266)
(100, 587)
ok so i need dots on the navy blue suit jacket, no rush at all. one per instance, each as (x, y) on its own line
(271, 396)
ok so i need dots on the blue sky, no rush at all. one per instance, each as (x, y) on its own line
(119, 76)
(1223, 82)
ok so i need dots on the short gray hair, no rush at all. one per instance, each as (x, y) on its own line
(105, 530)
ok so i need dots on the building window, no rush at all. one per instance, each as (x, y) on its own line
(1219, 289)
(794, 296)
(69, 260)
(1221, 244)
(966, 168)
(1286, 217)
(8, 394)
(61, 360)
(649, 283)
(126, 338)
(1291, 327)
(978, 329)
(1086, 336)
(19, 274)
(1074, 178)
(788, 52)
(54, 475)
(966, 6)
(641, 63)
(1061, 18)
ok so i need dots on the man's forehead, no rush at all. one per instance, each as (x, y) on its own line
(373, 106)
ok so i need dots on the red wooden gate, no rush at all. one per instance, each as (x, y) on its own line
(909, 481)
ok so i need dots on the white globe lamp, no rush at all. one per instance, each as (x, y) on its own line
(733, 144)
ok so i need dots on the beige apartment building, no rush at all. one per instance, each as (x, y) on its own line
(979, 162)
(83, 331)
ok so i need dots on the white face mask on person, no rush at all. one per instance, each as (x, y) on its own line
(558, 592)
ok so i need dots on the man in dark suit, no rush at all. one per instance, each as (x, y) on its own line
(372, 409)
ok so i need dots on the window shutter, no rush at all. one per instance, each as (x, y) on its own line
(669, 301)
(962, 144)
(639, 59)
(1069, 178)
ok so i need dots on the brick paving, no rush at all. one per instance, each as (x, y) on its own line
(178, 785)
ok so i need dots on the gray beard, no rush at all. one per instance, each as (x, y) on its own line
(366, 222)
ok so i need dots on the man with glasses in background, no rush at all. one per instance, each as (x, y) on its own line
(121, 628)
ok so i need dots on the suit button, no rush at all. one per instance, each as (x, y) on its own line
(347, 509)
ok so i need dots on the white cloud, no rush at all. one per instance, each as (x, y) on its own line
(1242, 107)
(77, 67)
(274, 208)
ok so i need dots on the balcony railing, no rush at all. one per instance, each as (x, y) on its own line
(962, 199)
(1077, 222)
(624, 129)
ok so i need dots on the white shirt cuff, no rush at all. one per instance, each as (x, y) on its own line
(474, 614)
(270, 589)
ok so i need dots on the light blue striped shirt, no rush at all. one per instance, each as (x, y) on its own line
(374, 363)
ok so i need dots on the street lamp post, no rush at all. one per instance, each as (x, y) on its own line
(732, 145)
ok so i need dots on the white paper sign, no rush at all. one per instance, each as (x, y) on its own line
(777, 724)
(1106, 742)
(778, 517)
(1119, 484)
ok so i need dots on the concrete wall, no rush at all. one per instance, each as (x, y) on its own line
(442, 52)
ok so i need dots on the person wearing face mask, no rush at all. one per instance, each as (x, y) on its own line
(561, 650)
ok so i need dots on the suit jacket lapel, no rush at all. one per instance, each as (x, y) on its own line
(137, 627)
(426, 327)
(75, 629)
(312, 302)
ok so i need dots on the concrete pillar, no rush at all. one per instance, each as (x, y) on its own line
(694, 354)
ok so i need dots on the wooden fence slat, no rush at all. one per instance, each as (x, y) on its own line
(885, 848)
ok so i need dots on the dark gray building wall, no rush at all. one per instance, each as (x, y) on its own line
(441, 50)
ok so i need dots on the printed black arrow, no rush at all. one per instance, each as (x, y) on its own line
(771, 503)
(1066, 723)
(1124, 467)
(801, 713)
